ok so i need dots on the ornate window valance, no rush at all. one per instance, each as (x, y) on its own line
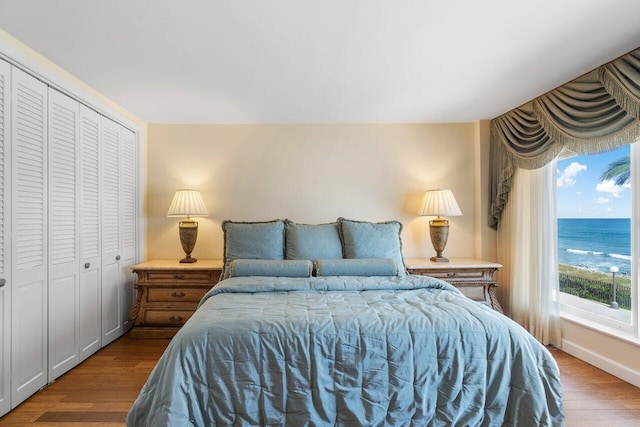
(595, 112)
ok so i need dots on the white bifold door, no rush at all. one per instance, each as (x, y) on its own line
(118, 227)
(64, 271)
(75, 310)
(90, 220)
(29, 311)
(5, 253)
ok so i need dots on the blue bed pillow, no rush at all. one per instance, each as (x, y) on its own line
(361, 239)
(312, 242)
(357, 267)
(271, 267)
(252, 240)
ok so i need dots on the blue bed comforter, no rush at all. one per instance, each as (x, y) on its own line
(349, 351)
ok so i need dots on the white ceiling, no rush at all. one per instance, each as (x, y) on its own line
(324, 61)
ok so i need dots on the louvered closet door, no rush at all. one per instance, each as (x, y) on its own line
(112, 285)
(5, 253)
(128, 220)
(64, 343)
(29, 231)
(90, 299)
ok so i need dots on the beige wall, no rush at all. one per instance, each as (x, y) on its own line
(311, 174)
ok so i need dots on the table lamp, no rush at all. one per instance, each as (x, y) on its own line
(437, 203)
(187, 203)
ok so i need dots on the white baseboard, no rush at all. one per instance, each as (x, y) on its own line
(602, 362)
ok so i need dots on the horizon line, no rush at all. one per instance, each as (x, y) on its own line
(590, 217)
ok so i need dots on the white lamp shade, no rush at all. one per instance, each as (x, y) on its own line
(187, 203)
(439, 203)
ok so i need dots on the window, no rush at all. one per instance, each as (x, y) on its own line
(596, 245)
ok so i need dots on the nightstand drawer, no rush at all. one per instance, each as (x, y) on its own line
(470, 275)
(176, 294)
(178, 277)
(167, 317)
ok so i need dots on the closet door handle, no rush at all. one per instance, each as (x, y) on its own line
(87, 264)
(3, 282)
(117, 257)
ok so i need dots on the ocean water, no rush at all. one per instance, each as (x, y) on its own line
(595, 243)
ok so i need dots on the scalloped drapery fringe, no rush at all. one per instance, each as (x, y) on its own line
(524, 162)
(623, 96)
(624, 136)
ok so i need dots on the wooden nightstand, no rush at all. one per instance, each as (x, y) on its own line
(168, 294)
(473, 277)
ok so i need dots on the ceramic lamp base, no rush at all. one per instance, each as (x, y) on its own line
(188, 235)
(439, 231)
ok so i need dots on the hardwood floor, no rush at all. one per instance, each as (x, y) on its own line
(593, 398)
(98, 392)
(101, 390)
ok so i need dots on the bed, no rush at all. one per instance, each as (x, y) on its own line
(344, 342)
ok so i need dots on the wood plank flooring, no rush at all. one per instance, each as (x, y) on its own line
(593, 398)
(101, 390)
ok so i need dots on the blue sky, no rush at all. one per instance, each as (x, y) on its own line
(581, 194)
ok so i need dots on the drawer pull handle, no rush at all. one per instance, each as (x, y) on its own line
(176, 318)
(178, 294)
(451, 274)
(178, 276)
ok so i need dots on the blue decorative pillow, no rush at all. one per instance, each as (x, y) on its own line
(357, 267)
(274, 268)
(312, 242)
(362, 239)
(252, 240)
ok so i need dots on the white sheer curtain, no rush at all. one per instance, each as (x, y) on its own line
(528, 251)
